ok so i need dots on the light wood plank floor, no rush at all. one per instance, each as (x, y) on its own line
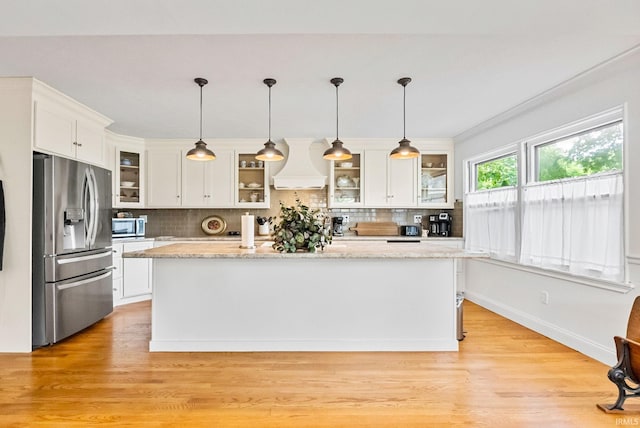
(504, 376)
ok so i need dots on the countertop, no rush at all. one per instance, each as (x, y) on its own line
(227, 238)
(342, 249)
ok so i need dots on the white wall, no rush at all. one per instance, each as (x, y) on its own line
(15, 172)
(583, 317)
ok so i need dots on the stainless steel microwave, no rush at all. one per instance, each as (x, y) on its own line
(127, 227)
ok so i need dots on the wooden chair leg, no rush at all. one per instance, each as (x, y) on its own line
(619, 374)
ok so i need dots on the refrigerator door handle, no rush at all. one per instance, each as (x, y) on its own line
(83, 258)
(96, 206)
(84, 281)
(90, 206)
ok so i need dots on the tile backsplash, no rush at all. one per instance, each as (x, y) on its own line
(187, 222)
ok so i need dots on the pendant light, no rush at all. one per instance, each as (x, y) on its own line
(404, 150)
(269, 153)
(200, 152)
(337, 151)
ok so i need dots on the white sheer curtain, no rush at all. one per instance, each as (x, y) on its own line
(575, 226)
(490, 222)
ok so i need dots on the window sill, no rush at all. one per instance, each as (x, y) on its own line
(618, 287)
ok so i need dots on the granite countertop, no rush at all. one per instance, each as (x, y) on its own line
(342, 249)
(227, 238)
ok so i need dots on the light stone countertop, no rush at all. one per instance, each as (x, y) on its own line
(341, 249)
(226, 238)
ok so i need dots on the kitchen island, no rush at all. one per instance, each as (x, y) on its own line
(353, 296)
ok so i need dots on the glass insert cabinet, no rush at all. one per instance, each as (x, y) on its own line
(346, 184)
(128, 178)
(434, 181)
(253, 187)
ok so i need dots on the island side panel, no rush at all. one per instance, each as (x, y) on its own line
(385, 304)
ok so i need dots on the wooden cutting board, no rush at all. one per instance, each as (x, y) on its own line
(376, 228)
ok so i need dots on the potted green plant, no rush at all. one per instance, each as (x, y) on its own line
(301, 229)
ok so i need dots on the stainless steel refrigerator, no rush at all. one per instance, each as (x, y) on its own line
(72, 254)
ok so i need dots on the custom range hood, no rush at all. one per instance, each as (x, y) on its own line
(300, 170)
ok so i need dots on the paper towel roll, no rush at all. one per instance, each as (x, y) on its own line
(248, 231)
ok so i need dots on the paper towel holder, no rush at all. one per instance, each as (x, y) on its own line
(246, 243)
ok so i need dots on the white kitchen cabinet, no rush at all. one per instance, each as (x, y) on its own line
(136, 273)
(252, 186)
(435, 180)
(345, 182)
(208, 184)
(389, 182)
(117, 272)
(129, 177)
(164, 167)
(67, 128)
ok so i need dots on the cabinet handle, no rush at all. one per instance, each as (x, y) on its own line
(79, 144)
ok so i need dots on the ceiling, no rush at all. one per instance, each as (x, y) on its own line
(134, 60)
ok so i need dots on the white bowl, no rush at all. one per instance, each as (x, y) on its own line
(253, 185)
(346, 164)
(127, 183)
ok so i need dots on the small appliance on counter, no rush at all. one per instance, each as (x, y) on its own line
(127, 228)
(440, 224)
(337, 227)
(410, 230)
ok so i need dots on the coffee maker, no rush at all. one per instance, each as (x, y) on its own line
(336, 223)
(440, 224)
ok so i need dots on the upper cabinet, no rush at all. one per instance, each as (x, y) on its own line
(252, 187)
(210, 183)
(128, 164)
(370, 179)
(235, 179)
(164, 167)
(389, 182)
(436, 179)
(345, 182)
(67, 128)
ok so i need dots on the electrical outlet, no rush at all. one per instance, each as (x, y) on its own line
(544, 297)
(417, 219)
(345, 219)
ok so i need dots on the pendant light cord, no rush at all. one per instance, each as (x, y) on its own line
(337, 113)
(404, 112)
(200, 112)
(269, 113)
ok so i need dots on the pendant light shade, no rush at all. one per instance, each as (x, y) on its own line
(404, 150)
(200, 152)
(269, 153)
(337, 151)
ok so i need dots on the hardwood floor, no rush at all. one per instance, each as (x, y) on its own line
(504, 376)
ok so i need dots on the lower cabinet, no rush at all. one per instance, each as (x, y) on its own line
(132, 278)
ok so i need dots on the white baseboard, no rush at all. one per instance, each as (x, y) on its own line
(568, 338)
(303, 345)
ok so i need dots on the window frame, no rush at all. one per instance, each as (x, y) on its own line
(575, 128)
(525, 151)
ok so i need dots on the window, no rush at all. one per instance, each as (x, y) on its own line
(494, 173)
(568, 215)
(590, 152)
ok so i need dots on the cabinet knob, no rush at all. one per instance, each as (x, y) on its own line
(79, 144)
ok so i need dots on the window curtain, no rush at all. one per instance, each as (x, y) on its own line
(575, 226)
(491, 222)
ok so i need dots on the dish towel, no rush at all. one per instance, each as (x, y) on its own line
(3, 223)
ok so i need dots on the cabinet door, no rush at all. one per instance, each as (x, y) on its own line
(163, 178)
(129, 178)
(252, 182)
(402, 182)
(193, 180)
(436, 180)
(345, 180)
(375, 178)
(219, 180)
(89, 142)
(389, 182)
(136, 279)
(54, 129)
